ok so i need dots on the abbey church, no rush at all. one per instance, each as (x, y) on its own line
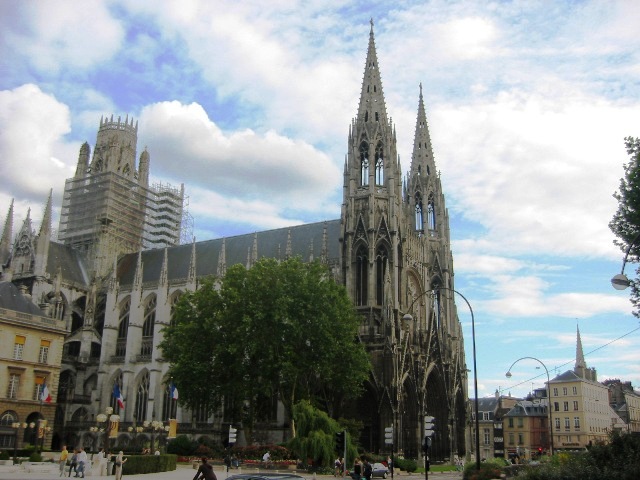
(111, 278)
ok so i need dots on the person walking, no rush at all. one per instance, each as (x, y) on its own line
(82, 462)
(64, 454)
(357, 469)
(74, 462)
(120, 461)
(266, 458)
(367, 470)
(205, 471)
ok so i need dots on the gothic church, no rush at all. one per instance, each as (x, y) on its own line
(390, 248)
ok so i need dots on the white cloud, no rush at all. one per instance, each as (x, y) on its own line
(32, 129)
(62, 34)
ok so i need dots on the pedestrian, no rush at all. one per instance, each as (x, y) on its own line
(74, 462)
(120, 461)
(357, 469)
(227, 461)
(390, 465)
(337, 464)
(82, 462)
(205, 471)
(64, 454)
(266, 458)
(367, 470)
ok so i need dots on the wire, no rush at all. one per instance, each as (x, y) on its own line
(570, 361)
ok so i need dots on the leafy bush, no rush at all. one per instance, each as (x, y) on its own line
(489, 469)
(617, 460)
(4, 455)
(35, 457)
(406, 464)
(137, 464)
(182, 445)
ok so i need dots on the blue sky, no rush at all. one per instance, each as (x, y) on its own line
(249, 103)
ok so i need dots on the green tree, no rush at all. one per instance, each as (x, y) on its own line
(280, 329)
(626, 221)
(315, 437)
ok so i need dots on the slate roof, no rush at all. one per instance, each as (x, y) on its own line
(12, 299)
(70, 262)
(270, 244)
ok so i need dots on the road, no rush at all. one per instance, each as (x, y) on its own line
(184, 472)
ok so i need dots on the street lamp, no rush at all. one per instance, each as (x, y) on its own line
(16, 427)
(475, 369)
(135, 430)
(109, 420)
(621, 281)
(508, 375)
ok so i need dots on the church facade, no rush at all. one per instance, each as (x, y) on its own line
(390, 248)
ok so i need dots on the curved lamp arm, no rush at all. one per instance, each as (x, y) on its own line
(508, 375)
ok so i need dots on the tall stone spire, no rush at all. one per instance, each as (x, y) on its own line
(7, 233)
(581, 364)
(44, 239)
(372, 106)
(422, 161)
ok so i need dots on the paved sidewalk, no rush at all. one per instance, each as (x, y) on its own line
(184, 472)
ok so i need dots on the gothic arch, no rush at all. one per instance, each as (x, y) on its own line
(58, 304)
(365, 164)
(148, 326)
(142, 385)
(173, 300)
(437, 406)
(379, 166)
(90, 385)
(361, 278)
(123, 327)
(382, 261)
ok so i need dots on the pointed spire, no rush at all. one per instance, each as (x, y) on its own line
(164, 270)
(324, 256)
(83, 158)
(289, 251)
(222, 260)
(113, 281)
(192, 264)
(45, 226)
(580, 362)
(372, 106)
(422, 162)
(254, 250)
(138, 276)
(43, 240)
(7, 233)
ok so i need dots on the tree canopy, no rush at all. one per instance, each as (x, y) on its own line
(281, 330)
(626, 221)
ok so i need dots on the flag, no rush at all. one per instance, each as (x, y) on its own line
(45, 396)
(118, 396)
(174, 391)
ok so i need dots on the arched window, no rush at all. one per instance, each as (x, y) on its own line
(437, 307)
(381, 265)
(142, 398)
(379, 165)
(169, 405)
(362, 264)
(66, 385)
(7, 440)
(431, 215)
(364, 164)
(419, 214)
(123, 329)
(117, 382)
(148, 326)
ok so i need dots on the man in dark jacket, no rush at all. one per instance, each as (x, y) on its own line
(205, 471)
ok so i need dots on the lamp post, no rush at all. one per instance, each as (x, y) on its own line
(475, 369)
(135, 430)
(508, 375)
(16, 427)
(621, 281)
(108, 419)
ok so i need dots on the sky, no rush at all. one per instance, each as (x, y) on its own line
(248, 103)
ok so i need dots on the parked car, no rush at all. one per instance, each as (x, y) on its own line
(265, 476)
(379, 470)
